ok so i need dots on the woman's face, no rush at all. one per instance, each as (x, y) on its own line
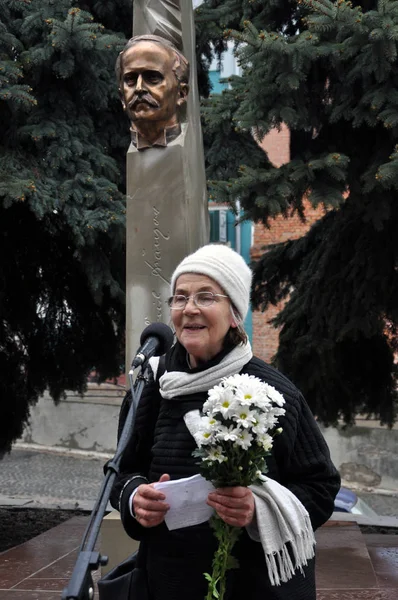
(201, 330)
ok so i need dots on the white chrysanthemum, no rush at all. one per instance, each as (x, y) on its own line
(271, 417)
(275, 396)
(278, 412)
(209, 423)
(215, 455)
(262, 402)
(227, 405)
(208, 406)
(204, 437)
(215, 397)
(245, 417)
(251, 391)
(237, 380)
(259, 426)
(227, 434)
(265, 440)
(244, 439)
(264, 422)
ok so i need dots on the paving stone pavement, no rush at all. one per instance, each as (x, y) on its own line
(39, 477)
(31, 477)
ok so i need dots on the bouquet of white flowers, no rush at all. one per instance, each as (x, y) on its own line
(236, 434)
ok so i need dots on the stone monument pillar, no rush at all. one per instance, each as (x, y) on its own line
(167, 215)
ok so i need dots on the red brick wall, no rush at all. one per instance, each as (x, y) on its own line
(277, 145)
(265, 336)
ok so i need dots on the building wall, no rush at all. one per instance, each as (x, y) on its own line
(265, 336)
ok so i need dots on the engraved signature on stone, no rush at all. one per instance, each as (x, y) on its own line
(155, 265)
(158, 305)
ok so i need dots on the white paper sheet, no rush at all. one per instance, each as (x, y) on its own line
(187, 500)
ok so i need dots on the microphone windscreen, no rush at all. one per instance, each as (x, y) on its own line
(162, 332)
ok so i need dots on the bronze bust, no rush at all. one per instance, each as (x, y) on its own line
(153, 78)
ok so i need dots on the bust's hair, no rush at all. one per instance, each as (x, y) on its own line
(180, 67)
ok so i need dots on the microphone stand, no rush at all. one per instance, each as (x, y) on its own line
(81, 585)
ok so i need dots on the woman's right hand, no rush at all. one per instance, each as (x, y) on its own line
(149, 509)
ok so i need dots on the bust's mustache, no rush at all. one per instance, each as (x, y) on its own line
(146, 98)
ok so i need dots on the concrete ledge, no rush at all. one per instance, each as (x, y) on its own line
(379, 521)
(105, 393)
(73, 452)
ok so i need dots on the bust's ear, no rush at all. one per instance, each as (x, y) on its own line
(182, 93)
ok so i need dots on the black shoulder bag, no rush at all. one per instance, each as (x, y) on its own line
(126, 581)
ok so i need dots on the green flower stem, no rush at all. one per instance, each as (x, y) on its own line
(227, 536)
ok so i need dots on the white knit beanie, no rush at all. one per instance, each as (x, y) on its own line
(226, 267)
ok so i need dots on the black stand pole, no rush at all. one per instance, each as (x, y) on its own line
(81, 585)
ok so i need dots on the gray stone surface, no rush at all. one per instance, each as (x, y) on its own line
(43, 478)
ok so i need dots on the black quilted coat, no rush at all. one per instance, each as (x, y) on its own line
(161, 443)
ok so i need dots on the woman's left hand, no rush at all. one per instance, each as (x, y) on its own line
(234, 505)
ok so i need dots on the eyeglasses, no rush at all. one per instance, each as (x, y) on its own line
(201, 300)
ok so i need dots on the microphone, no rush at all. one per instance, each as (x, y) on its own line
(155, 340)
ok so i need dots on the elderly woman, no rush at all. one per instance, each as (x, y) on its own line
(210, 298)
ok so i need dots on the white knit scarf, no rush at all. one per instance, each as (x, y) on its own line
(282, 522)
(177, 383)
